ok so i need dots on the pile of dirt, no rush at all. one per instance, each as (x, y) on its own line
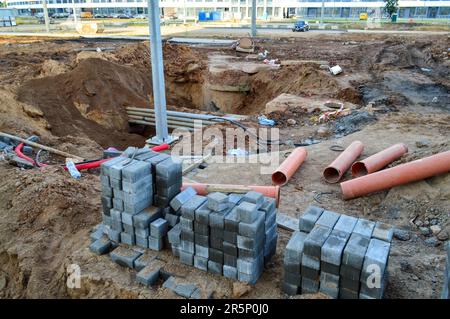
(46, 215)
(303, 80)
(90, 101)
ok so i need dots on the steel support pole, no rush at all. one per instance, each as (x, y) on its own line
(253, 18)
(159, 94)
(46, 18)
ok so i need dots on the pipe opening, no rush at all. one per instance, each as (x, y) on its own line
(359, 169)
(331, 175)
(278, 178)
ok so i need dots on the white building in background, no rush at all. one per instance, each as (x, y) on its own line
(241, 9)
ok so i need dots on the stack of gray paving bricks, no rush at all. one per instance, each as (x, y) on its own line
(230, 235)
(446, 289)
(338, 255)
(136, 189)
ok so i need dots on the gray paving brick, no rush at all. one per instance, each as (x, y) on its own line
(250, 265)
(201, 240)
(106, 219)
(230, 249)
(253, 229)
(230, 237)
(170, 283)
(172, 219)
(114, 235)
(329, 284)
(159, 228)
(350, 284)
(115, 171)
(291, 266)
(247, 212)
(201, 262)
(106, 166)
(310, 286)
(149, 275)
(101, 246)
(217, 201)
(230, 260)
(215, 267)
(202, 251)
(182, 198)
(155, 243)
(315, 240)
(107, 191)
(201, 229)
(231, 221)
(216, 219)
(202, 214)
(143, 260)
(118, 204)
(271, 233)
(346, 223)
(189, 207)
(168, 192)
(249, 243)
(161, 201)
(115, 183)
(289, 289)
(271, 221)
(187, 235)
(377, 254)
(97, 233)
(124, 256)
(216, 255)
(169, 170)
(187, 224)
(376, 292)
(364, 228)
(292, 278)
(141, 241)
(117, 193)
(216, 242)
(353, 255)
(333, 248)
(328, 219)
(294, 248)
(145, 155)
(310, 267)
(174, 235)
(309, 218)
(185, 290)
(155, 160)
(230, 272)
(116, 215)
(144, 195)
(128, 229)
(104, 181)
(249, 278)
(187, 246)
(254, 198)
(135, 170)
(235, 198)
(269, 205)
(383, 231)
(127, 238)
(145, 217)
(175, 250)
(107, 203)
(145, 182)
(138, 206)
(249, 253)
(127, 218)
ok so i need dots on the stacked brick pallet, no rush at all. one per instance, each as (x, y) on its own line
(230, 235)
(136, 190)
(446, 289)
(338, 255)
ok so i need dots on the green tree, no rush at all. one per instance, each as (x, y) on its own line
(391, 7)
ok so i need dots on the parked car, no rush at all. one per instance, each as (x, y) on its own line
(123, 16)
(300, 26)
(140, 16)
(86, 15)
(100, 16)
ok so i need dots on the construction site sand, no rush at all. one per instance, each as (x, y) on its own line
(46, 216)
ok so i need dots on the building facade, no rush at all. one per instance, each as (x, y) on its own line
(241, 9)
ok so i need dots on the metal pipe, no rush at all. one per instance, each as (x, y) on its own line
(204, 189)
(398, 175)
(333, 172)
(289, 166)
(153, 124)
(135, 115)
(379, 160)
(173, 122)
(187, 114)
(159, 94)
(253, 18)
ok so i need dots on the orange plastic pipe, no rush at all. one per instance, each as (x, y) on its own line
(333, 172)
(379, 160)
(398, 175)
(289, 166)
(204, 189)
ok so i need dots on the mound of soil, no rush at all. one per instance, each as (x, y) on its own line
(90, 101)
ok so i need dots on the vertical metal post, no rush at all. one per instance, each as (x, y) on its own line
(75, 18)
(159, 94)
(253, 18)
(46, 18)
(322, 12)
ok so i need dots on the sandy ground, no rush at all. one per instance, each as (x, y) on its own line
(46, 216)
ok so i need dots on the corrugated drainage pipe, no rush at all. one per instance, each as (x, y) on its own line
(333, 173)
(204, 189)
(290, 165)
(398, 175)
(379, 160)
